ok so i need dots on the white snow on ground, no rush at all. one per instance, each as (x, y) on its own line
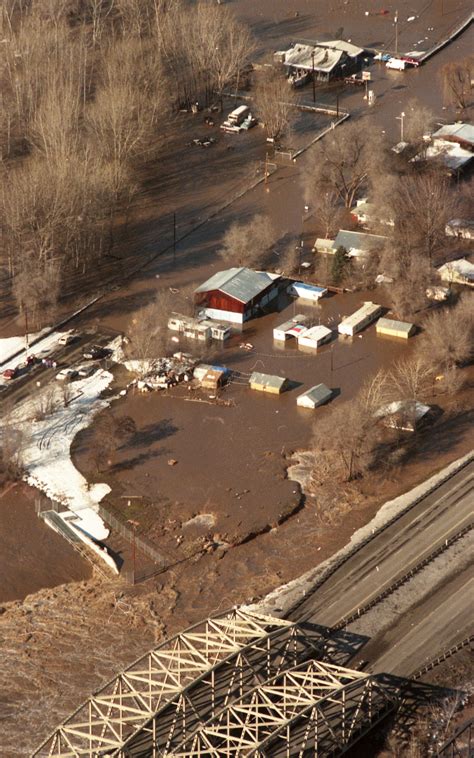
(47, 454)
(10, 346)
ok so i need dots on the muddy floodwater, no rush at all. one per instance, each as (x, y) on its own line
(232, 456)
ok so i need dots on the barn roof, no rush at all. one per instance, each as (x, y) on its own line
(242, 284)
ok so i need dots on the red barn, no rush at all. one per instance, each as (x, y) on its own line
(236, 294)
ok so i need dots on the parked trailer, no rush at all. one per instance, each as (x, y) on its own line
(360, 319)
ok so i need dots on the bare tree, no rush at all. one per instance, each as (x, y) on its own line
(342, 162)
(348, 435)
(246, 243)
(410, 379)
(457, 78)
(327, 211)
(148, 332)
(418, 122)
(274, 102)
(448, 337)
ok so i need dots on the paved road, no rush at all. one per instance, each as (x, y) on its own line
(391, 553)
(438, 623)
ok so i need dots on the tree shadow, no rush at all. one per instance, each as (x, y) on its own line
(130, 463)
(151, 433)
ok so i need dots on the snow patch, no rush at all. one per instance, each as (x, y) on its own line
(47, 457)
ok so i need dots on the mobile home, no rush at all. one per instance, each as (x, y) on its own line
(191, 328)
(360, 319)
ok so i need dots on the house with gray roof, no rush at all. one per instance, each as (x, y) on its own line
(358, 244)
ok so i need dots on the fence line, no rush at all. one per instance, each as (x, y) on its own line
(118, 522)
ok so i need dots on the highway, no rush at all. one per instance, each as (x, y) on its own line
(437, 624)
(392, 552)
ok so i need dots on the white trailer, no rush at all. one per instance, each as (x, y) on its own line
(360, 319)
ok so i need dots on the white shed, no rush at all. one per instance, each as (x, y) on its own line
(315, 336)
(315, 396)
(360, 319)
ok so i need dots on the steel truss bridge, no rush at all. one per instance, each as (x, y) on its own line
(238, 684)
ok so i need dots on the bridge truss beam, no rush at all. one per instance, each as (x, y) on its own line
(126, 704)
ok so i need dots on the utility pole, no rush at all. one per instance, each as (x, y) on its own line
(400, 118)
(314, 82)
(396, 32)
(337, 105)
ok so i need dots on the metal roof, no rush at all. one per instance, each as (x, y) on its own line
(461, 266)
(301, 56)
(318, 394)
(368, 309)
(267, 380)
(243, 284)
(308, 287)
(357, 241)
(316, 332)
(340, 44)
(396, 326)
(451, 153)
(464, 132)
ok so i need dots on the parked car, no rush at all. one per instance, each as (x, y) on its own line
(67, 375)
(67, 338)
(95, 353)
(10, 373)
(86, 370)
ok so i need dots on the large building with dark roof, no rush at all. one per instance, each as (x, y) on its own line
(236, 294)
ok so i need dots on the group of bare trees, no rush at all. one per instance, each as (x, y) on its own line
(88, 87)
(411, 202)
(350, 439)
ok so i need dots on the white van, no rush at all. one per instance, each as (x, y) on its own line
(396, 63)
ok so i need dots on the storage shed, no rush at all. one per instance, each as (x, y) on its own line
(268, 383)
(392, 328)
(281, 332)
(307, 291)
(236, 294)
(314, 337)
(360, 319)
(315, 396)
(214, 377)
